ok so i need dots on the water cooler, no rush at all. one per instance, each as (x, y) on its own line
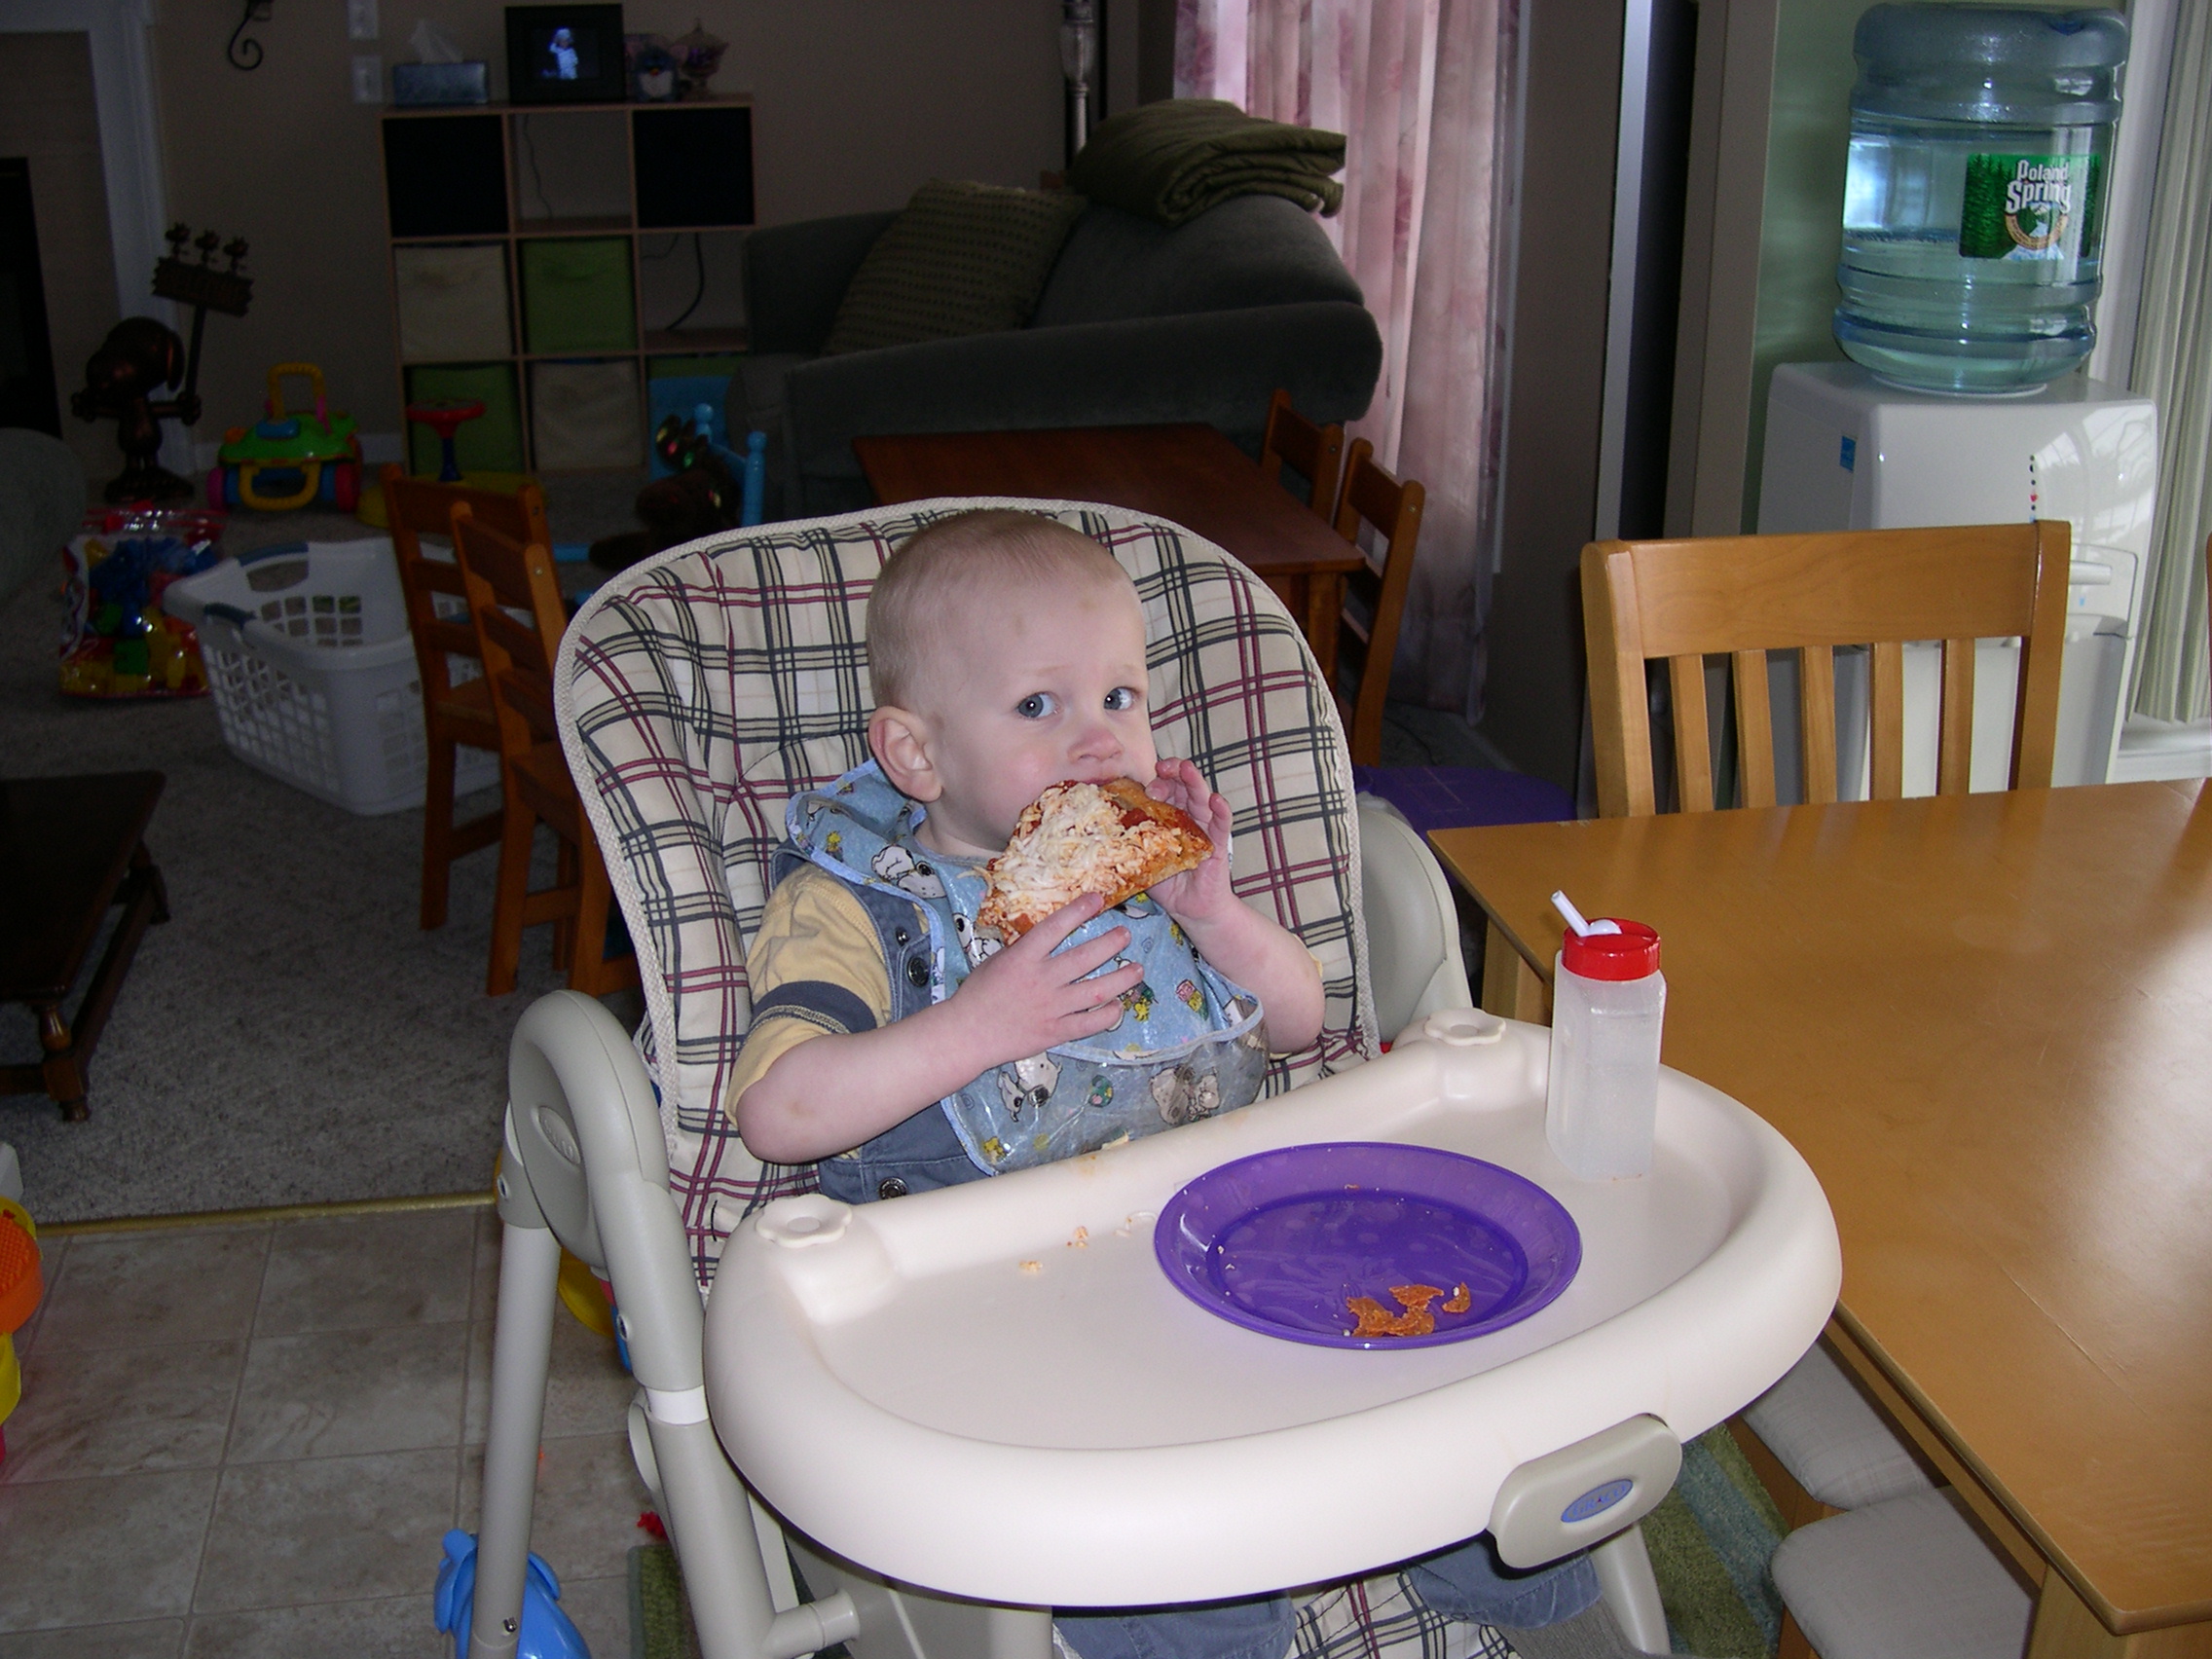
(1846, 452)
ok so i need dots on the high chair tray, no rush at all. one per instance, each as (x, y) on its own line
(994, 1391)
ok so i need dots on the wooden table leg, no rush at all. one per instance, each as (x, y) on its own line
(1511, 987)
(2066, 1628)
(1324, 609)
(65, 1077)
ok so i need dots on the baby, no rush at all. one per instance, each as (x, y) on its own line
(1008, 653)
(904, 1049)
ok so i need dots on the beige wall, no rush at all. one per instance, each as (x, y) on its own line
(46, 115)
(855, 103)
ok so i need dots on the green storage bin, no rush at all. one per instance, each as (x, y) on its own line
(492, 443)
(576, 295)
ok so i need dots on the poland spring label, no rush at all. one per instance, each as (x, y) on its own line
(2032, 208)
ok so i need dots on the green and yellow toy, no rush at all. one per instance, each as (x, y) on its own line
(288, 459)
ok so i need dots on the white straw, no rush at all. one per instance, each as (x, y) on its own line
(1582, 929)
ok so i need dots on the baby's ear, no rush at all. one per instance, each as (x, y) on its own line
(899, 739)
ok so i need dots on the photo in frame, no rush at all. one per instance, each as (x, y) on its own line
(566, 55)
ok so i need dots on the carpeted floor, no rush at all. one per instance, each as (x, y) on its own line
(1710, 1540)
(290, 1036)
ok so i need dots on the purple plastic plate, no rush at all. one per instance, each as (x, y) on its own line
(1279, 1241)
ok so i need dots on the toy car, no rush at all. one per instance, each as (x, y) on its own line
(286, 460)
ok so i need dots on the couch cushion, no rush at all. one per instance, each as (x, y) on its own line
(961, 259)
(1252, 250)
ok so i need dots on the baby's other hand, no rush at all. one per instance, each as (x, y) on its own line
(1197, 895)
(1025, 1000)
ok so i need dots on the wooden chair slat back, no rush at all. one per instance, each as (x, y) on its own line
(1372, 497)
(1746, 595)
(1693, 768)
(503, 577)
(416, 507)
(1317, 451)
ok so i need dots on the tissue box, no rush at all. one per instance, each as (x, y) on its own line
(441, 83)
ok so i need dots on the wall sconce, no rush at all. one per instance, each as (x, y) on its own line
(247, 54)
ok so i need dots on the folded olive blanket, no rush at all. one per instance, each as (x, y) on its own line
(1171, 160)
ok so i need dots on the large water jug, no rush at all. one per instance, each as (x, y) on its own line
(1973, 208)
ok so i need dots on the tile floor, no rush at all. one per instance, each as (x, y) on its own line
(248, 1441)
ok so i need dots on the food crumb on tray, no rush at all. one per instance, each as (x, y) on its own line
(1375, 1320)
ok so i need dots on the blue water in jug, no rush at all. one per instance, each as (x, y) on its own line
(1973, 208)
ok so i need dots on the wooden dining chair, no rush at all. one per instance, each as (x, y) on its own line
(1315, 452)
(456, 714)
(515, 603)
(1816, 1445)
(1744, 595)
(1372, 497)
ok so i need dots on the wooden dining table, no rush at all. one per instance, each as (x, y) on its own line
(1986, 1022)
(1187, 473)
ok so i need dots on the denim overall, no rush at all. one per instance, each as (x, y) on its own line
(1188, 1043)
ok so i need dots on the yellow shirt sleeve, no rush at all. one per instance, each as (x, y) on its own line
(815, 968)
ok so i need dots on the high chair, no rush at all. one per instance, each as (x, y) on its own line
(457, 711)
(515, 603)
(697, 694)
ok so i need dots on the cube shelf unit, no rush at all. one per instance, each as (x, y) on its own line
(500, 291)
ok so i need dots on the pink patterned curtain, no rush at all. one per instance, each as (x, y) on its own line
(1420, 89)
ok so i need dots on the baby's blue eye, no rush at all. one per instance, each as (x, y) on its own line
(1035, 706)
(1121, 699)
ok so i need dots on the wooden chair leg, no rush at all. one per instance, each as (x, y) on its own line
(1797, 1506)
(513, 891)
(566, 879)
(1794, 1644)
(590, 972)
(437, 830)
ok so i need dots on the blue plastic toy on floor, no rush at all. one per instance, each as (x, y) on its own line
(546, 1632)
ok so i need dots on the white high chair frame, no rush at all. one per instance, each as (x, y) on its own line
(585, 1167)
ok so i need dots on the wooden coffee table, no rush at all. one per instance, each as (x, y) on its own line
(71, 848)
(1190, 474)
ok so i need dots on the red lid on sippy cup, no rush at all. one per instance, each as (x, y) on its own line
(1633, 953)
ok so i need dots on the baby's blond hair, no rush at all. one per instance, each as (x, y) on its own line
(952, 572)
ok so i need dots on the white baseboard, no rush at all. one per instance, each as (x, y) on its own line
(377, 449)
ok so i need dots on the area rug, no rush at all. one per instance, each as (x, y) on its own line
(1711, 1539)
(290, 1036)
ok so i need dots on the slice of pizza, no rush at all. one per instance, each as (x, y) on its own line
(1074, 839)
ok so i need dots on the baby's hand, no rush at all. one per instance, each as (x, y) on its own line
(1200, 894)
(1025, 1000)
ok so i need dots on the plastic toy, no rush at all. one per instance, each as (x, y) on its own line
(288, 459)
(20, 1287)
(443, 416)
(546, 1632)
(117, 641)
(446, 416)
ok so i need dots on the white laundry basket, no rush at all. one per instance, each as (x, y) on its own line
(312, 670)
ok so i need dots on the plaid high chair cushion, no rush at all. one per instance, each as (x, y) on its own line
(701, 690)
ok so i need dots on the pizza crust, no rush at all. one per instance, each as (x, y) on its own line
(1109, 838)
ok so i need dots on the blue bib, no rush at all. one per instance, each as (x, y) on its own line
(1189, 1043)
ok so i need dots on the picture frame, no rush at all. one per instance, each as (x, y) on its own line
(566, 55)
